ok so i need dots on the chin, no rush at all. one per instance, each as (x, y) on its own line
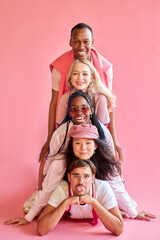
(84, 158)
(79, 194)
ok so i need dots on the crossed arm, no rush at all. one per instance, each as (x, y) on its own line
(49, 218)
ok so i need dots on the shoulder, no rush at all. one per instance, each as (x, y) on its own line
(100, 97)
(61, 130)
(98, 58)
(101, 184)
(65, 96)
(63, 186)
(65, 58)
(59, 194)
(103, 191)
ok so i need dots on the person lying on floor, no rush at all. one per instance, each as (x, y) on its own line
(82, 198)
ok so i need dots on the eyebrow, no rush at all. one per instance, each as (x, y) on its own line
(84, 38)
(84, 104)
(78, 71)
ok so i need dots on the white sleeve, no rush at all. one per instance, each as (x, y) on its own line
(50, 182)
(57, 139)
(105, 196)
(56, 78)
(59, 194)
(122, 197)
(108, 138)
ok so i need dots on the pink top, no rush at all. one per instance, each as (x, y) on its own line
(99, 102)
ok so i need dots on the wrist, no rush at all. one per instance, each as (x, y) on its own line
(93, 202)
(66, 202)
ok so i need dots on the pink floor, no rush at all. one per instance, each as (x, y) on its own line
(33, 34)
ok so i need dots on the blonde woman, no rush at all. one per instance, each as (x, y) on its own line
(83, 76)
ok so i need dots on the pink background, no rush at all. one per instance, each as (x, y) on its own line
(33, 33)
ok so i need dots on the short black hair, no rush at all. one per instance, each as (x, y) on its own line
(80, 26)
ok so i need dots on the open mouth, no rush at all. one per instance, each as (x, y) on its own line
(80, 83)
(80, 188)
(80, 118)
(81, 53)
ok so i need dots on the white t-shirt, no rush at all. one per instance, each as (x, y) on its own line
(102, 192)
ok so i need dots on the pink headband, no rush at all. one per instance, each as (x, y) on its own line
(84, 131)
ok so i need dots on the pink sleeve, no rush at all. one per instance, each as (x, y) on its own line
(62, 108)
(56, 78)
(101, 109)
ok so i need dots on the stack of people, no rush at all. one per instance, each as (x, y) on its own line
(80, 172)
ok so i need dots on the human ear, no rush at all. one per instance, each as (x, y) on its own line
(95, 146)
(92, 110)
(70, 43)
(93, 177)
(69, 177)
(92, 42)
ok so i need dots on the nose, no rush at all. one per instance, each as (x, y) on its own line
(83, 146)
(81, 181)
(81, 45)
(80, 76)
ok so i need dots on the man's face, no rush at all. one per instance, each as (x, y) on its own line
(81, 179)
(81, 42)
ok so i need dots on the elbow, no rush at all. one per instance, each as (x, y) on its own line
(41, 228)
(40, 232)
(118, 231)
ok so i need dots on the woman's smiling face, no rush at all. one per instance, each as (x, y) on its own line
(79, 110)
(80, 76)
(83, 148)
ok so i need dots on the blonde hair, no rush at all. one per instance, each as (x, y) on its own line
(96, 86)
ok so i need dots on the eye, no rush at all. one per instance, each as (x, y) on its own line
(75, 73)
(84, 108)
(86, 42)
(75, 42)
(86, 176)
(85, 74)
(76, 176)
(73, 109)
